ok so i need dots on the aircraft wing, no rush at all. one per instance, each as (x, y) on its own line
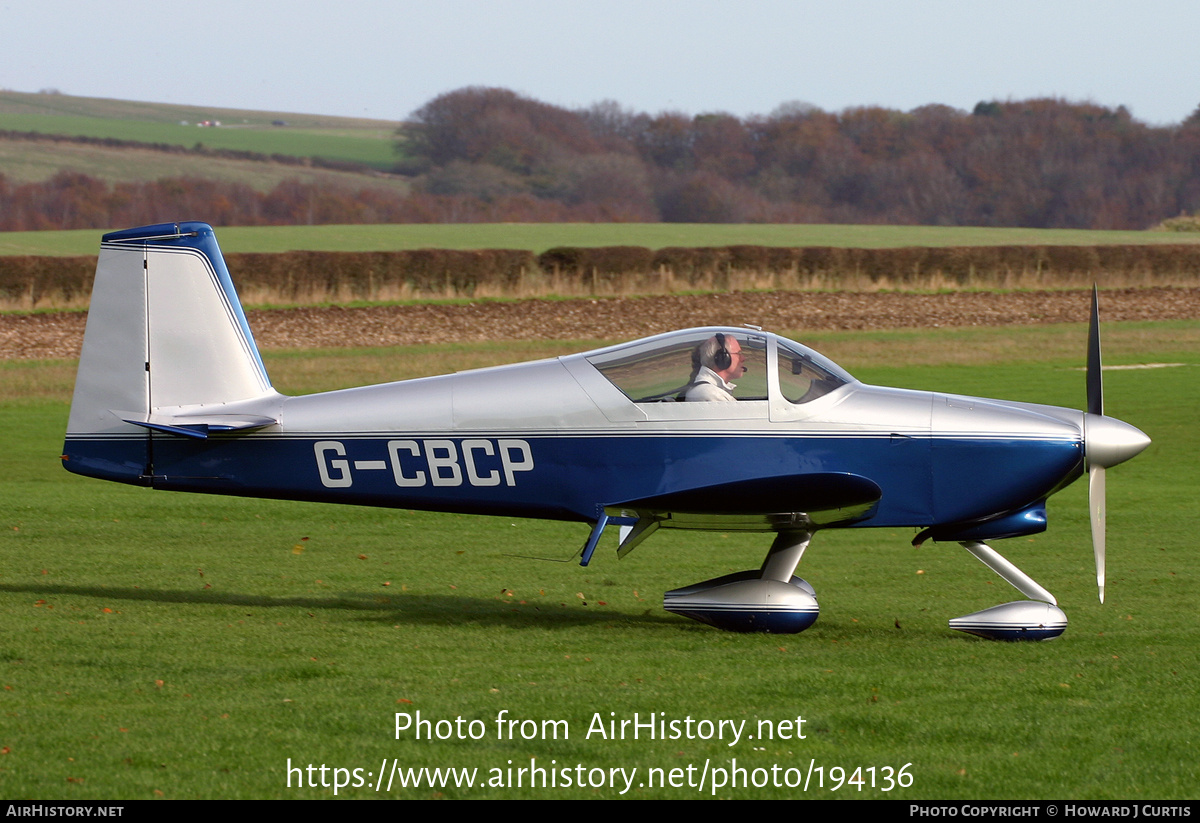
(826, 497)
(784, 503)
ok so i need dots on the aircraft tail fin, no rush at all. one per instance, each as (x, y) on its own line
(166, 339)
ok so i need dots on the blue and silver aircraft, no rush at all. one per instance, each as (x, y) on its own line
(172, 394)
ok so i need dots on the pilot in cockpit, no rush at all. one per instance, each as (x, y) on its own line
(718, 359)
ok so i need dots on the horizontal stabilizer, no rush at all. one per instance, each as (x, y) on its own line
(200, 426)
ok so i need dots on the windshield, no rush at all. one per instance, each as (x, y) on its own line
(805, 375)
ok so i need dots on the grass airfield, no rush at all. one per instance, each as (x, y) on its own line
(183, 646)
(538, 237)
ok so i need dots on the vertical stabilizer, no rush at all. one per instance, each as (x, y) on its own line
(165, 336)
(200, 347)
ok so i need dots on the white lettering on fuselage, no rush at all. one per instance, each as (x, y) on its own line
(416, 463)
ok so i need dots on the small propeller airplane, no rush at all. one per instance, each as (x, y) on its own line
(172, 394)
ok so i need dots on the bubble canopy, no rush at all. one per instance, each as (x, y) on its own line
(661, 368)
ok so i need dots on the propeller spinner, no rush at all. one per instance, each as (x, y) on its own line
(1106, 442)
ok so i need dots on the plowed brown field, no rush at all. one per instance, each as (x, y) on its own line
(60, 335)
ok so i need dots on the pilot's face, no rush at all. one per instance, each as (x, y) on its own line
(737, 361)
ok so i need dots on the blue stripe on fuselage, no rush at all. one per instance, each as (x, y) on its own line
(924, 480)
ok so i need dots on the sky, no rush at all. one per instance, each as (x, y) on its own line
(386, 58)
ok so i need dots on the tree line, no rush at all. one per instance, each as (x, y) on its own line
(1042, 163)
(73, 200)
(491, 155)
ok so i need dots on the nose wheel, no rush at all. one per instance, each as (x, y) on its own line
(1038, 618)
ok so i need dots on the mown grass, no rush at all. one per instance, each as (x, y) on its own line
(538, 237)
(188, 646)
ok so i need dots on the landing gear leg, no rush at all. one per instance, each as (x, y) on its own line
(1039, 618)
(784, 556)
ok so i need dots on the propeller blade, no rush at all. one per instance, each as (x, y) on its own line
(1095, 405)
(1095, 388)
(1106, 441)
(1096, 510)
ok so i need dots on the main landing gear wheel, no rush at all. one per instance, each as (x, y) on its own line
(769, 600)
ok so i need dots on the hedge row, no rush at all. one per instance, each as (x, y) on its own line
(33, 281)
(287, 276)
(963, 264)
(364, 275)
(295, 275)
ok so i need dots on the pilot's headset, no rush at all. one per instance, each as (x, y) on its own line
(722, 359)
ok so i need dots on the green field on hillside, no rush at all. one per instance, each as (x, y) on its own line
(371, 149)
(32, 161)
(182, 646)
(369, 142)
(539, 237)
(55, 104)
